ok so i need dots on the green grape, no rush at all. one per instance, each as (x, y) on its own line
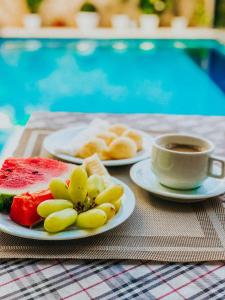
(78, 185)
(95, 185)
(108, 208)
(59, 189)
(91, 219)
(50, 206)
(60, 220)
(117, 204)
(107, 181)
(112, 193)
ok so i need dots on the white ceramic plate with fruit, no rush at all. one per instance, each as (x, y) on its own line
(59, 201)
(73, 232)
(131, 147)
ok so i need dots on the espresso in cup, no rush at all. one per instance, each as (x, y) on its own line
(183, 147)
(184, 161)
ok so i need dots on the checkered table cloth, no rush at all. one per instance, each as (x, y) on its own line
(84, 280)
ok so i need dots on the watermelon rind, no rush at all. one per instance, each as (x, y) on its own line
(6, 202)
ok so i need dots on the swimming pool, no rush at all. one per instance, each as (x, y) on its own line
(118, 76)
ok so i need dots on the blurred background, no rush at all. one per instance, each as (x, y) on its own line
(111, 13)
(178, 74)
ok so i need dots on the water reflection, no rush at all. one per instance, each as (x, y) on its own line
(32, 45)
(180, 45)
(5, 120)
(146, 46)
(85, 47)
(74, 79)
(120, 46)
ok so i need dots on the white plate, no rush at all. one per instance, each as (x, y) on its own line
(62, 137)
(38, 233)
(143, 176)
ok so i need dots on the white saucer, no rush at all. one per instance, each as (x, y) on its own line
(62, 137)
(143, 176)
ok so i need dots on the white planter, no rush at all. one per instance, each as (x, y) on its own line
(149, 22)
(87, 20)
(179, 23)
(32, 21)
(121, 22)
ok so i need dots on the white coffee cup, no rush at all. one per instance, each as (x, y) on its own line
(185, 169)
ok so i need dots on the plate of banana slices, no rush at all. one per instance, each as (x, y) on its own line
(115, 144)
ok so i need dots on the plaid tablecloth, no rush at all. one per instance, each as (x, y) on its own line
(76, 279)
(34, 279)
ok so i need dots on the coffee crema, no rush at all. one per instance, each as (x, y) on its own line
(178, 147)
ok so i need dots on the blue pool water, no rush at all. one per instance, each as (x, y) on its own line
(4, 135)
(118, 76)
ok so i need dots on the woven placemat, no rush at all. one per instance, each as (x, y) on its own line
(157, 230)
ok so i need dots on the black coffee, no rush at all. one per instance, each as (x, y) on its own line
(183, 147)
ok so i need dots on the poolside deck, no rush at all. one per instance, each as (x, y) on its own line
(108, 33)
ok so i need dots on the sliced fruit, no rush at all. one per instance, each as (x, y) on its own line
(117, 204)
(60, 220)
(108, 208)
(111, 194)
(48, 207)
(93, 165)
(59, 189)
(24, 208)
(95, 185)
(21, 175)
(91, 219)
(107, 181)
(78, 185)
(5, 202)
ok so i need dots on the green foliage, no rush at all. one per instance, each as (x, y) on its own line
(153, 6)
(220, 14)
(146, 6)
(200, 16)
(88, 7)
(33, 5)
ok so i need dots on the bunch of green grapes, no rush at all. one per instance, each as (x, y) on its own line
(87, 202)
(76, 192)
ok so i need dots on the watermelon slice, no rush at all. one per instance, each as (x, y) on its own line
(21, 175)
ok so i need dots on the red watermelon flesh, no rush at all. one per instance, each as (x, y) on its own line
(21, 175)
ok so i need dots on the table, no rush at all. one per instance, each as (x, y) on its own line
(106, 279)
(59, 279)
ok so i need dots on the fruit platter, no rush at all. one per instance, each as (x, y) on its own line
(46, 199)
(115, 144)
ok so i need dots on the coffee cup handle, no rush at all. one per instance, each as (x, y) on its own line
(221, 162)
